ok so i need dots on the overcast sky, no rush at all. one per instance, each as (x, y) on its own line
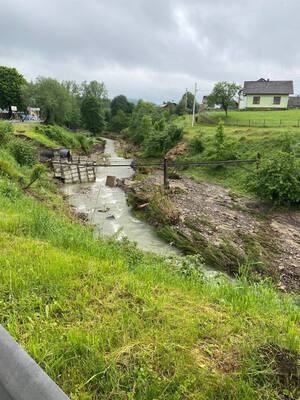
(152, 49)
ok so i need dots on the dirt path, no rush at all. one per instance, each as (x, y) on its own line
(235, 229)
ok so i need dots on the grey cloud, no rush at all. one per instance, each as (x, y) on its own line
(152, 49)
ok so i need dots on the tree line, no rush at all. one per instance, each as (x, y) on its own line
(86, 105)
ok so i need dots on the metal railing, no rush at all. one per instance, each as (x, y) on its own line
(21, 378)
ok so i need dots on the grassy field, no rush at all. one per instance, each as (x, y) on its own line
(107, 321)
(245, 142)
(284, 118)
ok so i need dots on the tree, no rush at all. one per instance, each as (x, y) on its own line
(92, 114)
(119, 122)
(223, 94)
(140, 127)
(52, 97)
(185, 106)
(120, 103)
(11, 83)
(72, 117)
(94, 89)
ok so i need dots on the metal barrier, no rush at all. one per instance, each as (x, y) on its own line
(21, 378)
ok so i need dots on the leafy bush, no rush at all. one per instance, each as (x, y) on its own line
(9, 189)
(6, 132)
(85, 143)
(38, 171)
(158, 143)
(223, 148)
(24, 153)
(7, 170)
(196, 145)
(278, 179)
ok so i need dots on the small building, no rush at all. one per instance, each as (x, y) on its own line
(169, 105)
(34, 112)
(265, 95)
(206, 106)
(294, 102)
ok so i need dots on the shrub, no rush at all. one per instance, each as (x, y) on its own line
(7, 170)
(24, 153)
(224, 149)
(9, 189)
(158, 143)
(196, 145)
(38, 171)
(85, 143)
(278, 179)
(6, 132)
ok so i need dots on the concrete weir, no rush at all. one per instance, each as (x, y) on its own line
(21, 378)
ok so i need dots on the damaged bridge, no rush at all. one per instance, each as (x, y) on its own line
(78, 169)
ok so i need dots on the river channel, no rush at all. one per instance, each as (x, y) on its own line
(107, 209)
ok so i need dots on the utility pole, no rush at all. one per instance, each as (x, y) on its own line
(194, 105)
(186, 98)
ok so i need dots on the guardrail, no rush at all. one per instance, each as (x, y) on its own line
(21, 378)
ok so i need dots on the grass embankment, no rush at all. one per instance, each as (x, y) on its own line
(244, 142)
(277, 118)
(29, 130)
(107, 321)
(53, 136)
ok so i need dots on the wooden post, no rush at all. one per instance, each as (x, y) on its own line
(258, 157)
(166, 184)
(280, 123)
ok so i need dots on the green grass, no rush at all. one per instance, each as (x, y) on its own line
(284, 118)
(29, 131)
(246, 142)
(107, 321)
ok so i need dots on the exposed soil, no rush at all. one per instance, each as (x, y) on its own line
(267, 241)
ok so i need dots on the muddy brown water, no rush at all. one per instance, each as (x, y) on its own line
(107, 209)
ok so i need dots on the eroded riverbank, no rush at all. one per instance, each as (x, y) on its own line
(230, 232)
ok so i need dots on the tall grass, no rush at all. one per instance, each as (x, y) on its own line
(108, 321)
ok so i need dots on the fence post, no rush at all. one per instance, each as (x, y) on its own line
(280, 123)
(166, 184)
(258, 157)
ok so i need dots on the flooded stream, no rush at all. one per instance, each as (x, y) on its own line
(107, 209)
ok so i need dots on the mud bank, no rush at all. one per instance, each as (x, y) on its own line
(232, 233)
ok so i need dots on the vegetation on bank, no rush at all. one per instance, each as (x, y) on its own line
(270, 144)
(108, 321)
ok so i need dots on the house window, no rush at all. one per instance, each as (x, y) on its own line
(256, 99)
(276, 100)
